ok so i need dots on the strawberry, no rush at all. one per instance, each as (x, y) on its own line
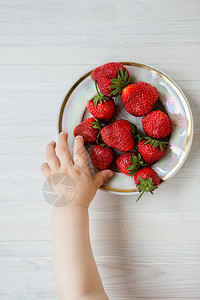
(101, 157)
(119, 135)
(139, 98)
(111, 78)
(146, 180)
(151, 150)
(89, 129)
(157, 124)
(100, 106)
(129, 163)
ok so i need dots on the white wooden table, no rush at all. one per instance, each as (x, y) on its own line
(149, 250)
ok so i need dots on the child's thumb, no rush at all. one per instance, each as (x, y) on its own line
(100, 177)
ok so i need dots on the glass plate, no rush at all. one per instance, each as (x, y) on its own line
(74, 110)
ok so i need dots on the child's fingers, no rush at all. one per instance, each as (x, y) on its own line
(100, 177)
(45, 170)
(79, 155)
(51, 156)
(63, 150)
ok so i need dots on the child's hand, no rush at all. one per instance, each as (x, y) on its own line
(73, 172)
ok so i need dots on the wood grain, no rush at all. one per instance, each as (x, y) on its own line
(148, 250)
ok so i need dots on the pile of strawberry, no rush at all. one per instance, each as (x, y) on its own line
(113, 80)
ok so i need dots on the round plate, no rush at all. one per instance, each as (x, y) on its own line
(73, 112)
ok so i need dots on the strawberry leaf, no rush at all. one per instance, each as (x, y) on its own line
(145, 185)
(155, 143)
(119, 83)
(135, 132)
(136, 164)
(96, 124)
(134, 128)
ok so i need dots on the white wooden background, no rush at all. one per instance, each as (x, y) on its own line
(149, 250)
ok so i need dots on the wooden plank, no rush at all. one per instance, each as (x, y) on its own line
(128, 271)
(178, 252)
(71, 55)
(76, 18)
(121, 223)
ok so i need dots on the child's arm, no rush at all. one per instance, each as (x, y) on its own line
(74, 266)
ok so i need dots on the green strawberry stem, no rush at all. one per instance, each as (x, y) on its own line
(141, 193)
(98, 97)
(145, 185)
(99, 140)
(95, 82)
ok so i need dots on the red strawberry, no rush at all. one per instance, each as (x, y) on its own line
(129, 163)
(119, 135)
(101, 157)
(111, 78)
(151, 150)
(139, 98)
(101, 107)
(88, 129)
(157, 124)
(146, 180)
